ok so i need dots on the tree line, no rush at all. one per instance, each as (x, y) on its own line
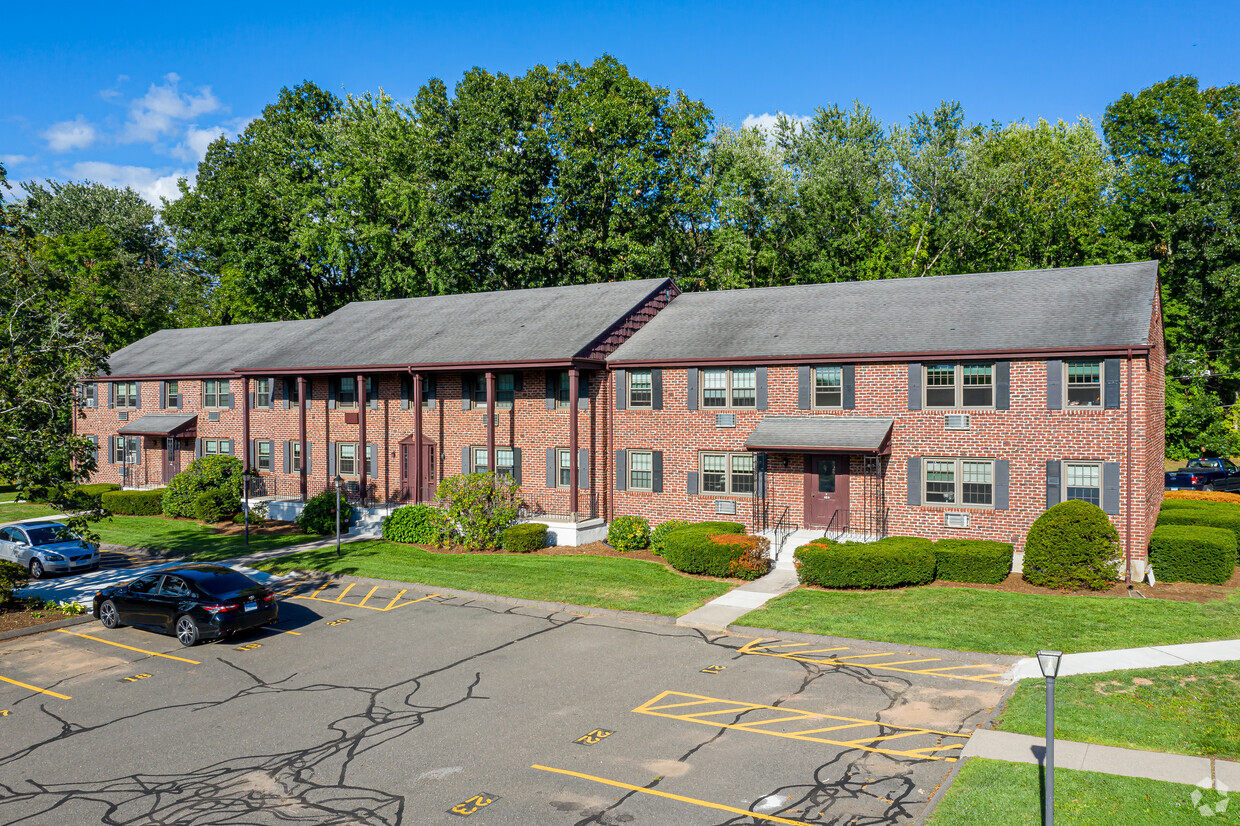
(585, 173)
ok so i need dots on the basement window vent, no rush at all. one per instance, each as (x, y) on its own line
(956, 421)
(956, 520)
(213, 415)
(123, 416)
(725, 420)
(725, 506)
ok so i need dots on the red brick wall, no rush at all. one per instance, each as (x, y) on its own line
(1154, 445)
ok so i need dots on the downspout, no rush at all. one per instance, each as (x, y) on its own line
(609, 410)
(1128, 493)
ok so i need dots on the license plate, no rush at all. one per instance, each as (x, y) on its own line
(1172, 488)
(251, 606)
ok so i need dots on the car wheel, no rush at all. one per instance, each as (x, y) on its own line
(187, 630)
(36, 569)
(108, 615)
(1208, 488)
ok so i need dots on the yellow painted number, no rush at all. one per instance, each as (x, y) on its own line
(249, 646)
(713, 669)
(338, 622)
(593, 737)
(4, 712)
(472, 805)
(135, 678)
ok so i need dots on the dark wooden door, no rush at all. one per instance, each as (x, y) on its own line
(172, 459)
(826, 491)
(428, 471)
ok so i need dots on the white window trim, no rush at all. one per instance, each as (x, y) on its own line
(813, 401)
(647, 405)
(958, 482)
(1063, 478)
(957, 385)
(729, 398)
(727, 475)
(1102, 384)
(355, 473)
(629, 470)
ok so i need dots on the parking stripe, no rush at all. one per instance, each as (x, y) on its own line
(695, 801)
(129, 647)
(369, 594)
(34, 688)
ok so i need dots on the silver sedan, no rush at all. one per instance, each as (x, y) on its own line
(46, 548)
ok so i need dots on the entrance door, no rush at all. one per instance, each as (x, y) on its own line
(428, 471)
(172, 459)
(826, 491)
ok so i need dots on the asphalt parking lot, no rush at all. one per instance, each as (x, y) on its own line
(374, 704)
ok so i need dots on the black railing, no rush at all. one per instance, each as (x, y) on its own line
(534, 508)
(868, 522)
(142, 477)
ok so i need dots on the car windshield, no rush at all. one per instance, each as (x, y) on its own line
(49, 535)
(1203, 464)
(224, 582)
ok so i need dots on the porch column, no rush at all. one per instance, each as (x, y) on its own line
(573, 389)
(361, 436)
(490, 421)
(416, 471)
(245, 424)
(301, 433)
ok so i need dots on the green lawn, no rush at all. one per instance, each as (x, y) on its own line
(183, 536)
(1187, 709)
(603, 582)
(995, 793)
(973, 619)
(24, 510)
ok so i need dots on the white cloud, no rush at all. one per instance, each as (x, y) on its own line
(767, 122)
(70, 134)
(15, 160)
(194, 148)
(151, 184)
(157, 113)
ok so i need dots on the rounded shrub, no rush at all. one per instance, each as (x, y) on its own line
(133, 502)
(894, 562)
(705, 549)
(628, 533)
(659, 534)
(216, 505)
(416, 525)
(1190, 553)
(525, 538)
(972, 560)
(12, 578)
(319, 514)
(207, 473)
(1073, 545)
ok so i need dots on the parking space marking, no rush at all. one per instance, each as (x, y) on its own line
(681, 798)
(129, 647)
(713, 706)
(767, 650)
(34, 688)
(392, 603)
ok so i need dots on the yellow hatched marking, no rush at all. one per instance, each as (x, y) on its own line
(655, 792)
(761, 726)
(362, 604)
(344, 593)
(756, 647)
(393, 603)
(315, 595)
(679, 705)
(35, 688)
(399, 594)
(129, 647)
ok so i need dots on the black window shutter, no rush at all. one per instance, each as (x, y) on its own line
(804, 387)
(111, 395)
(691, 385)
(848, 373)
(372, 459)
(1054, 384)
(656, 467)
(656, 388)
(331, 460)
(465, 468)
(467, 390)
(914, 385)
(516, 463)
(1001, 484)
(331, 396)
(583, 468)
(288, 457)
(1003, 385)
(551, 467)
(1110, 487)
(1053, 491)
(288, 392)
(691, 483)
(914, 480)
(405, 381)
(518, 381)
(112, 449)
(551, 378)
(305, 459)
(163, 394)
(1110, 379)
(428, 391)
(760, 379)
(622, 391)
(137, 387)
(622, 469)
(198, 448)
(583, 391)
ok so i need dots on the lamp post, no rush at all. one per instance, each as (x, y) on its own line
(338, 482)
(1048, 661)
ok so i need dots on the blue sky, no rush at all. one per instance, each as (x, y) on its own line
(132, 93)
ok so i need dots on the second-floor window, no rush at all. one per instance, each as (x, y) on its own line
(215, 393)
(346, 393)
(829, 387)
(959, 385)
(90, 396)
(126, 394)
(1084, 380)
(641, 388)
(262, 392)
(172, 394)
(504, 391)
(730, 388)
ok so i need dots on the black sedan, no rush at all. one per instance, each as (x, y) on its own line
(191, 601)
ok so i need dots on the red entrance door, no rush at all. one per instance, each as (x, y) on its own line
(826, 491)
(428, 471)
(172, 459)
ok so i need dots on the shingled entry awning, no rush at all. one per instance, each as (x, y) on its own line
(159, 424)
(837, 434)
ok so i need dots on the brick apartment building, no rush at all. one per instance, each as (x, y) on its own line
(943, 406)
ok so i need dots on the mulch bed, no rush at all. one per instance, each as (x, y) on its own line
(14, 615)
(1211, 496)
(269, 529)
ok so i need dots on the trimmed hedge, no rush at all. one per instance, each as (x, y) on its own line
(708, 548)
(1191, 553)
(416, 524)
(659, 535)
(894, 562)
(525, 537)
(628, 533)
(972, 560)
(1072, 545)
(216, 505)
(133, 502)
(319, 514)
(1201, 513)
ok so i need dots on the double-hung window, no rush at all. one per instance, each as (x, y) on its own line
(641, 470)
(562, 388)
(730, 388)
(294, 456)
(262, 392)
(505, 391)
(215, 393)
(172, 394)
(346, 458)
(503, 460)
(731, 474)
(959, 385)
(968, 482)
(641, 388)
(346, 392)
(262, 455)
(90, 396)
(1084, 380)
(127, 450)
(829, 387)
(1083, 481)
(126, 394)
(564, 470)
(215, 447)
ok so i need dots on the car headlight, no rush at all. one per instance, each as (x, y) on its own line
(54, 557)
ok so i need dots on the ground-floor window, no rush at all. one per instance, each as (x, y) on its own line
(641, 470)
(346, 458)
(731, 474)
(1083, 481)
(503, 460)
(959, 482)
(294, 457)
(564, 465)
(126, 450)
(262, 455)
(216, 447)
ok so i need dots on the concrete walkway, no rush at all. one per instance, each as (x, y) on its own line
(1206, 772)
(1127, 659)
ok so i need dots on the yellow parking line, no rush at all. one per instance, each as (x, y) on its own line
(344, 593)
(412, 601)
(33, 688)
(362, 604)
(315, 595)
(398, 596)
(130, 647)
(695, 801)
(756, 647)
(955, 668)
(909, 662)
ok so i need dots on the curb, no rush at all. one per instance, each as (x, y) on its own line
(800, 636)
(47, 626)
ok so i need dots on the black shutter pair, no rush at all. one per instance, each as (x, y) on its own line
(1055, 384)
(806, 382)
(656, 467)
(1002, 483)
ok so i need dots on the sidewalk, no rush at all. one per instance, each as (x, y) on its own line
(1127, 659)
(1206, 772)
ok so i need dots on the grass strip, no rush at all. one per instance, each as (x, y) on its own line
(186, 537)
(597, 581)
(19, 511)
(996, 622)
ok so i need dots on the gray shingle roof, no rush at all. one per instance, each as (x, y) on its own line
(159, 424)
(546, 324)
(203, 350)
(820, 433)
(1100, 306)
